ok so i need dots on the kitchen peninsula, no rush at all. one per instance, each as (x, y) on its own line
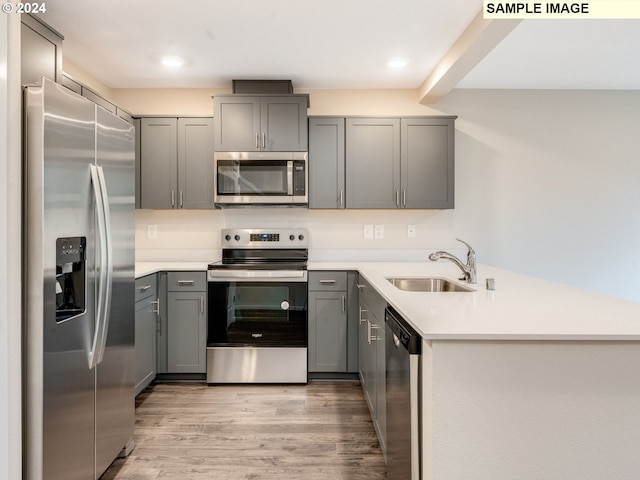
(533, 380)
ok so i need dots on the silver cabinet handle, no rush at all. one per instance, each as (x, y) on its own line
(264, 140)
(373, 336)
(344, 303)
(145, 288)
(173, 198)
(360, 312)
(156, 311)
(369, 332)
(184, 283)
(341, 198)
(181, 198)
(257, 139)
(404, 198)
(202, 304)
(327, 282)
(359, 286)
(397, 198)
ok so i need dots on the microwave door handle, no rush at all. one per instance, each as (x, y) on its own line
(290, 177)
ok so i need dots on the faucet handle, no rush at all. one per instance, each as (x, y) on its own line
(470, 251)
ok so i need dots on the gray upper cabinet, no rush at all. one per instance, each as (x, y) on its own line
(326, 162)
(400, 162)
(427, 162)
(195, 163)
(373, 162)
(158, 162)
(41, 52)
(176, 163)
(261, 123)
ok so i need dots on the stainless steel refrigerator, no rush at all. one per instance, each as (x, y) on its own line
(79, 306)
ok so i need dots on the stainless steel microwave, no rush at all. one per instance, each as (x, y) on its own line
(261, 178)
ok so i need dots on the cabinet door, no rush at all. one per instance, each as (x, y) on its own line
(328, 331)
(186, 342)
(373, 162)
(158, 163)
(427, 162)
(381, 385)
(195, 163)
(237, 124)
(326, 162)
(40, 52)
(284, 124)
(352, 322)
(145, 343)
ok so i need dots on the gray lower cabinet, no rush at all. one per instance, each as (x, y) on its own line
(186, 322)
(249, 123)
(146, 310)
(176, 163)
(326, 162)
(399, 162)
(333, 344)
(372, 369)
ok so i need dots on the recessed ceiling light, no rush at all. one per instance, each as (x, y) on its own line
(397, 63)
(172, 62)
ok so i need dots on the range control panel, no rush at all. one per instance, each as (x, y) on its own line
(265, 238)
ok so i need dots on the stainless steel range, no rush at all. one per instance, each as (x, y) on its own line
(257, 323)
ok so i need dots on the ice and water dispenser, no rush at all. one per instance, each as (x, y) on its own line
(71, 277)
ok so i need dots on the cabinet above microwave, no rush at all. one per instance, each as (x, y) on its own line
(260, 123)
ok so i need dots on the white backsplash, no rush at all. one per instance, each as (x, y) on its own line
(334, 235)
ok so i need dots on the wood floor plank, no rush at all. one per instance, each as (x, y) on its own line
(319, 431)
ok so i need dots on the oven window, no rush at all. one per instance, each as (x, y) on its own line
(257, 313)
(249, 177)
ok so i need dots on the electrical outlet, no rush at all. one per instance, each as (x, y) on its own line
(152, 230)
(379, 231)
(368, 231)
(411, 231)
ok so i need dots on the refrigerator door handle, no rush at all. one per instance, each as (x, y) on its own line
(105, 274)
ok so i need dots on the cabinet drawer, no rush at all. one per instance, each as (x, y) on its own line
(327, 281)
(187, 282)
(145, 287)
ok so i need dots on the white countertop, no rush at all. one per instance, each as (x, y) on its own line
(520, 308)
(147, 268)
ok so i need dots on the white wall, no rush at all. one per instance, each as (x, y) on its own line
(10, 241)
(547, 183)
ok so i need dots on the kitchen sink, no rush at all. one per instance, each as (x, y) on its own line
(428, 284)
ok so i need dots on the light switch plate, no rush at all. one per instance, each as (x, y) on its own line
(379, 231)
(368, 231)
(152, 230)
(411, 231)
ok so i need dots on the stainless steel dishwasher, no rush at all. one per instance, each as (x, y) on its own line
(402, 353)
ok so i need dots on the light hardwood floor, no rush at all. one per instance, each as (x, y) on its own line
(313, 432)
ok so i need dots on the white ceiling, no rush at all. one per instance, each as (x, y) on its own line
(331, 44)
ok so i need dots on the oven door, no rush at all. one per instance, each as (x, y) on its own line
(257, 327)
(259, 309)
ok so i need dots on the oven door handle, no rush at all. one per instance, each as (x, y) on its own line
(263, 275)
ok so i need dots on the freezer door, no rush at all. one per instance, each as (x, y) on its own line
(115, 402)
(59, 383)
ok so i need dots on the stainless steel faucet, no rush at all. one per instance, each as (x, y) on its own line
(468, 270)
